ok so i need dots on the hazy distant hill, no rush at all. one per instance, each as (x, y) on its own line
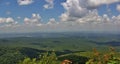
(56, 35)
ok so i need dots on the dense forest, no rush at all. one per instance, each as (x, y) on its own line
(32, 50)
(97, 58)
(33, 56)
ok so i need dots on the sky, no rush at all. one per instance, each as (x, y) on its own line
(25, 16)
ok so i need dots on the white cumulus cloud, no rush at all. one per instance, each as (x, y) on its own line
(83, 15)
(73, 10)
(35, 19)
(118, 7)
(79, 15)
(49, 5)
(77, 9)
(25, 2)
(7, 21)
(52, 21)
(96, 3)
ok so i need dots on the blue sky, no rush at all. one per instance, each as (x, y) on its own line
(59, 15)
(103, 9)
(26, 10)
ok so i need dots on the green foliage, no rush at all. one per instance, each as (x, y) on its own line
(74, 59)
(14, 49)
(28, 61)
(10, 58)
(11, 55)
(108, 58)
(47, 58)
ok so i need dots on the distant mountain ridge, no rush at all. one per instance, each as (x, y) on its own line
(56, 35)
